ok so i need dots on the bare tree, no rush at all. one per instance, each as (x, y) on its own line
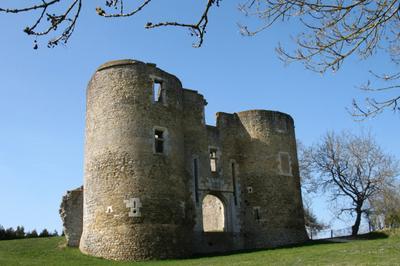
(53, 18)
(385, 209)
(352, 169)
(63, 21)
(334, 30)
(313, 225)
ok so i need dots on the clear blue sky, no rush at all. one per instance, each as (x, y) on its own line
(42, 94)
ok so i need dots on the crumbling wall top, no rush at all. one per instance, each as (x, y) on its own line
(266, 113)
(122, 62)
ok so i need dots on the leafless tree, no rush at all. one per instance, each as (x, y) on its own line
(311, 221)
(353, 169)
(385, 208)
(53, 18)
(64, 21)
(334, 30)
(313, 225)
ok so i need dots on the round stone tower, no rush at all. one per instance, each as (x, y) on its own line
(270, 182)
(136, 204)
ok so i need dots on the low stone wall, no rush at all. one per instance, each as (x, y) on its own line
(71, 212)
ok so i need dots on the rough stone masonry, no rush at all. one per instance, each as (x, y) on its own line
(160, 183)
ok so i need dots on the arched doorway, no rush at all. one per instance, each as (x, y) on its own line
(213, 214)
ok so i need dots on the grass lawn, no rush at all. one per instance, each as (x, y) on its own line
(370, 249)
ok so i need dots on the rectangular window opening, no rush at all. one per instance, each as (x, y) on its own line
(256, 213)
(213, 160)
(159, 141)
(157, 91)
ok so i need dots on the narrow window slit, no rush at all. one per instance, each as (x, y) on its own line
(256, 213)
(159, 141)
(213, 160)
(234, 182)
(196, 177)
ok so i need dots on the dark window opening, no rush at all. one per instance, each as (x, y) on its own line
(196, 178)
(159, 141)
(157, 91)
(256, 213)
(213, 160)
(234, 182)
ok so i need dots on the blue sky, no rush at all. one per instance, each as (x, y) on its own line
(42, 94)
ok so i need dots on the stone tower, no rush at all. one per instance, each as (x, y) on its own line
(161, 183)
(136, 199)
(263, 145)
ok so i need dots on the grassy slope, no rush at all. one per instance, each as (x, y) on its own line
(370, 250)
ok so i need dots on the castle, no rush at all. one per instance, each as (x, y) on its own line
(160, 183)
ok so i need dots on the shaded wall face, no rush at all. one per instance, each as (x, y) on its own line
(258, 180)
(199, 139)
(136, 203)
(71, 212)
(196, 146)
(272, 212)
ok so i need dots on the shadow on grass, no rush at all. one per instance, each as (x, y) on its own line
(369, 236)
(337, 240)
(249, 251)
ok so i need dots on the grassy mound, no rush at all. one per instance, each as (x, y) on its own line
(379, 248)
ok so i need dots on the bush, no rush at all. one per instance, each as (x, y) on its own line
(32, 234)
(10, 233)
(2, 233)
(20, 232)
(44, 233)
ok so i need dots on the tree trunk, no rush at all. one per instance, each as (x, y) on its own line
(356, 226)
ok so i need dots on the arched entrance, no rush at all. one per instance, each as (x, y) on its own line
(213, 214)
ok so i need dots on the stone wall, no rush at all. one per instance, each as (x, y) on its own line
(271, 210)
(137, 204)
(141, 203)
(71, 214)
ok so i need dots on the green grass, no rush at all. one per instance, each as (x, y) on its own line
(371, 249)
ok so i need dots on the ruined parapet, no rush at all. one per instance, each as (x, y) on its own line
(137, 204)
(71, 212)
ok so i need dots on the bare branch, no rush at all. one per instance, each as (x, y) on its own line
(103, 13)
(333, 31)
(44, 5)
(68, 18)
(52, 22)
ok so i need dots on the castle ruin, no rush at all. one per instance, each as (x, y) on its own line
(160, 183)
